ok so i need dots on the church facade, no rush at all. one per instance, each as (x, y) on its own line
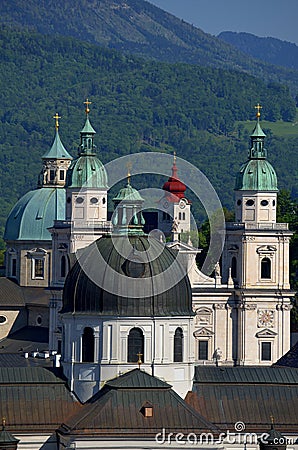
(239, 317)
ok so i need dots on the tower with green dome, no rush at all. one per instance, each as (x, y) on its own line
(255, 262)
(86, 191)
(29, 242)
(256, 183)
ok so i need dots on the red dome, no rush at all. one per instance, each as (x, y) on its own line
(174, 186)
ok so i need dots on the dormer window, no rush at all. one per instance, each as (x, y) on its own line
(147, 410)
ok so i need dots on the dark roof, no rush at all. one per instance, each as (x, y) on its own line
(290, 359)
(247, 394)
(245, 375)
(137, 379)
(10, 294)
(34, 398)
(26, 339)
(116, 411)
(160, 288)
(18, 360)
(36, 296)
(6, 437)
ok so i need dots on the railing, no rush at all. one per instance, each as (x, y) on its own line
(256, 226)
(83, 224)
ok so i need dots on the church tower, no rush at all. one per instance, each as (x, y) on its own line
(84, 221)
(256, 257)
(174, 208)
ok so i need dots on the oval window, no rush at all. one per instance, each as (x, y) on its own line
(250, 202)
(239, 202)
(68, 199)
(273, 203)
(79, 200)
(3, 320)
(94, 200)
(264, 203)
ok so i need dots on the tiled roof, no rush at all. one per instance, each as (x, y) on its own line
(117, 410)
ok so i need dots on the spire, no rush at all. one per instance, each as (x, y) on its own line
(174, 186)
(87, 146)
(57, 150)
(257, 150)
(128, 217)
(7, 438)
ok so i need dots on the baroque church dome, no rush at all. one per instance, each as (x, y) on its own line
(87, 169)
(83, 295)
(36, 211)
(257, 174)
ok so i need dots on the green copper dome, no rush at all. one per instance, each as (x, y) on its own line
(87, 170)
(128, 193)
(105, 261)
(34, 213)
(257, 174)
(57, 151)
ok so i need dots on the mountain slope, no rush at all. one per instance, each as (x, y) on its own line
(137, 105)
(268, 49)
(138, 27)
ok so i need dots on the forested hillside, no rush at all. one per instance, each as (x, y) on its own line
(140, 28)
(137, 105)
(268, 49)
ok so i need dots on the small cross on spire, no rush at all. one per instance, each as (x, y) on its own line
(87, 103)
(258, 108)
(129, 166)
(56, 117)
(139, 355)
(175, 157)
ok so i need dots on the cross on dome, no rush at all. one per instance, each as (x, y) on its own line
(56, 117)
(87, 103)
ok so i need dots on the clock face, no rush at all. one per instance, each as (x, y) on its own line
(266, 318)
(182, 204)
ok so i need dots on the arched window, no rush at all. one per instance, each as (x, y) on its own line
(234, 267)
(63, 266)
(88, 345)
(135, 345)
(178, 345)
(266, 268)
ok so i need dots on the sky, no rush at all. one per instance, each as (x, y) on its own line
(274, 18)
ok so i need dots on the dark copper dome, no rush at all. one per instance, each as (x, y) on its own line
(138, 285)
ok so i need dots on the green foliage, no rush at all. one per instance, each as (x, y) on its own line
(137, 106)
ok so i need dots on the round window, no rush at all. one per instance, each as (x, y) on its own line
(38, 320)
(3, 320)
(250, 202)
(94, 200)
(239, 202)
(79, 200)
(264, 202)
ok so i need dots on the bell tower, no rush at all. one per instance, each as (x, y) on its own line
(256, 257)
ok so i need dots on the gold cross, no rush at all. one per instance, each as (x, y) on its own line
(87, 103)
(174, 157)
(272, 419)
(3, 422)
(129, 166)
(56, 117)
(258, 107)
(140, 359)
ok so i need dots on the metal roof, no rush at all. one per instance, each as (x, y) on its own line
(34, 399)
(34, 213)
(104, 261)
(245, 375)
(137, 379)
(290, 359)
(57, 151)
(10, 294)
(26, 339)
(118, 411)
(226, 404)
